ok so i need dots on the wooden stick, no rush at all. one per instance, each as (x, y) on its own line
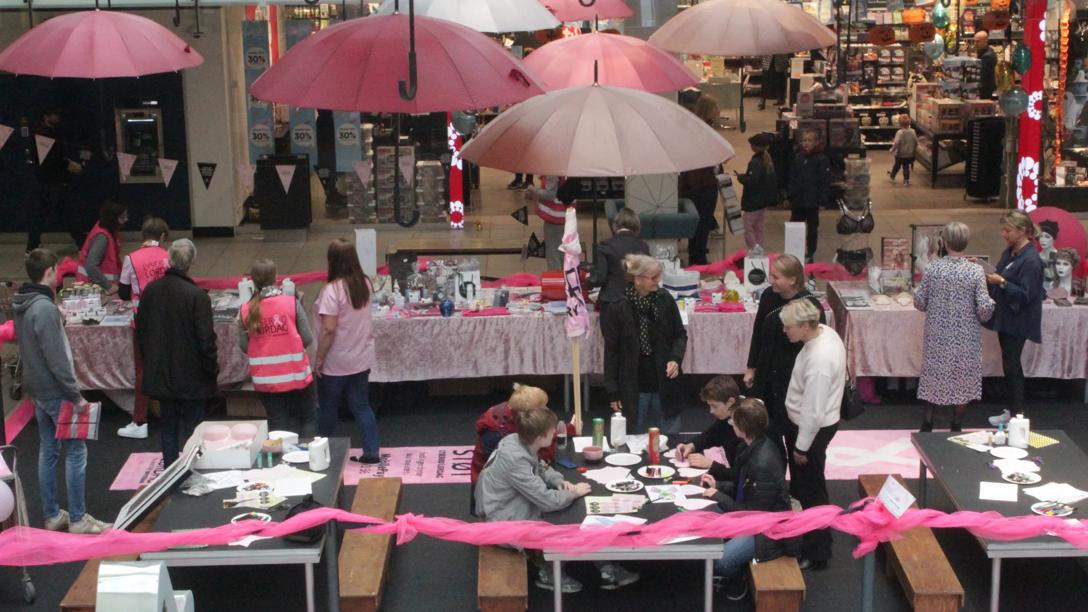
(575, 351)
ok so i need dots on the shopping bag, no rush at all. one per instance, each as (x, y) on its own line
(75, 423)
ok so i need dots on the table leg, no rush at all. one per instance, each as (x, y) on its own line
(332, 566)
(921, 484)
(310, 607)
(868, 572)
(585, 394)
(557, 586)
(933, 163)
(708, 586)
(995, 585)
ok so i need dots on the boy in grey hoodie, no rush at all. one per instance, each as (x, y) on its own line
(50, 380)
(515, 485)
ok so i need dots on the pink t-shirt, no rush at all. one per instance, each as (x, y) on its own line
(352, 349)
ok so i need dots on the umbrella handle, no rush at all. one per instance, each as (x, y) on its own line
(177, 13)
(587, 4)
(408, 90)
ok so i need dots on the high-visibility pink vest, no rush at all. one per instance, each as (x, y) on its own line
(150, 263)
(111, 261)
(551, 211)
(277, 359)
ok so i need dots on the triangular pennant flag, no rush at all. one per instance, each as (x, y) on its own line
(5, 133)
(207, 171)
(167, 167)
(363, 170)
(125, 162)
(407, 168)
(245, 176)
(44, 144)
(536, 248)
(286, 172)
(521, 215)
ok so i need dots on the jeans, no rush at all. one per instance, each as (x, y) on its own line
(139, 407)
(75, 464)
(354, 389)
(650, 414)
(809, 485)
(811, 218)
(179, 418)
(1011, 349)
(292, 410)
(738, 553)
(906, 163)
(753, 227)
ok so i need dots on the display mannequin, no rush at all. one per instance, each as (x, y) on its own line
(1048, 233)
(1065, 261)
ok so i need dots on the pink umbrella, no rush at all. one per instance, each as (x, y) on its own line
(97, 45)
(625, 61)
(358, 65)
(739, 28)
(575, 10)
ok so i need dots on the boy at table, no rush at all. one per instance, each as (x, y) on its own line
(721, 395)
(515, 485)
(756, 481)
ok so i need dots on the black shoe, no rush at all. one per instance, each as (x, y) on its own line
(927, 426)
(736, 589)
(956, 427)
(367, 459)
(815, 566)
(514, 185)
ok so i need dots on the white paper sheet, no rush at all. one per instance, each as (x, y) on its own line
(290, 487)
(581, 442)
(249, 539)
(690, 489)
(1057, 492)
(228, 479)
(660, 494)
(895, 497)
(997, 491)
(1008, 466)
(606, 475)
(600, 520)
(694, 503)
(690, 472)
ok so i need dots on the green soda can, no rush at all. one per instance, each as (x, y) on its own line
(598, 432)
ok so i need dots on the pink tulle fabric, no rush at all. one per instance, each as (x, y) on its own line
(520, 279)
(821, 269)
(866, 520)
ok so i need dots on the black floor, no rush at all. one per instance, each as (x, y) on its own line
(433, 575)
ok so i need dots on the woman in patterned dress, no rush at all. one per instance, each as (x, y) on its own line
(954, 297)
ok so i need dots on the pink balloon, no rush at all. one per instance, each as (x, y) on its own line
(7, 501)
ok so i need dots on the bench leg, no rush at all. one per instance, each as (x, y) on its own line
(708, 586)
(868, 574)
(332, 566)
(995, 585)
(557, 586)
(310, 607)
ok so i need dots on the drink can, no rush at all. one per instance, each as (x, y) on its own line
(598, 432)
(652, 444)
(561, 434)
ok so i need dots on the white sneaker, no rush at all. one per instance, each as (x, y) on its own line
(132, 430)
(89, 525)
(613, 576)
(1001, 419)
(58, 522)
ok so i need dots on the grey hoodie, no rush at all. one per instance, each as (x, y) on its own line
(516, 486)
(43, 346)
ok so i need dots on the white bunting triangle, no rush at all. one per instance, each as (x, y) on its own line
(363, 170)
(167, 167)
(286, 172)
(407, 167)
(5, 133)
(44, 144)
(125, 162)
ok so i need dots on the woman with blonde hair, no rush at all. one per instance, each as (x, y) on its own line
(1017, 289)
(275, 334)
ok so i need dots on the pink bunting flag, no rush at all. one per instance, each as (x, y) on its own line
(44, 145)
(363, 169)
(286, 172)
(407, 168)
(125, 162)
(167, 167)
(245, 176)
(577, 318)
(5, 133)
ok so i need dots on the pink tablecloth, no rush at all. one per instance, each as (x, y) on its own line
(887, 341)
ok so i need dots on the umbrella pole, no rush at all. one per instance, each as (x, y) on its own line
(593, 251)
(576, 362)
(396, 179)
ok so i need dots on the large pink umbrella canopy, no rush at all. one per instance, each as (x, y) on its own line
(357, 65)
(597, 131)
(481, 15)
(739, 28)
(97, 45)
(574, 10)
(624, 61)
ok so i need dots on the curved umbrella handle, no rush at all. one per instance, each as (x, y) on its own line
(408, 90)
(587, 4)
(177, 13)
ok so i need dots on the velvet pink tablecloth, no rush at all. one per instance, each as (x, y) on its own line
(887, 341)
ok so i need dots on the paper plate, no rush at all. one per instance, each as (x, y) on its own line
(658, 471)
(628, 485)
(297, 457)
(622, 459)
(252, 516)
(1008, 452)
(255, 486)
(1021, 478)
(1052, 509)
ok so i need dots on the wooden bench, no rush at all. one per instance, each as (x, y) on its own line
(82, 596)
(364, 557)
(503, 584)
(777, 585)
(917, 561)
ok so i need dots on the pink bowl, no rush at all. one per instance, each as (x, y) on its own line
(215, 433)
(593, 453)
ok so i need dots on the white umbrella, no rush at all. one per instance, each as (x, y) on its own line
(483, 15)
(739, 28)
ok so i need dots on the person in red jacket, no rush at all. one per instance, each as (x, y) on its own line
(140, 267)
(100, 257)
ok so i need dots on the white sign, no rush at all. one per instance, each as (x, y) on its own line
(261, 135)
(795, 240)
(897, 499)
(286, 172)
(366, 247)
(303, 135)
(347, 135)
(167, 166)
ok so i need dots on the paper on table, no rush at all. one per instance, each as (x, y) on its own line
(971, 437)
(1008, 466)
(897, 499)
(1057, 492)
(281, 471)
(690, 472)
(289, 487)
(694, 503)
(997, 491)
(660, 494)
(613, 504)
(116, 320)
(608, 474)
(581, 442)
(982, 448)
(227, 479)
(600, 520)
(690, 489)
(249, 539)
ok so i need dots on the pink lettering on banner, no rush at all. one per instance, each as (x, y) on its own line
(140, 469)
(414, 465)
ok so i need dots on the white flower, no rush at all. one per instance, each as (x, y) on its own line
(457, 214)
(1035, 105)
(1028, 169)
(1042, 30)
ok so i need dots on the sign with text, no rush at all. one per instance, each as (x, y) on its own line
(414, 465)
(259, 119)
(303, 120)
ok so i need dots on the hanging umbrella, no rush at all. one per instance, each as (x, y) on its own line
(97, 45)
(575, 10)
(484, 15)
(359, 65)
(597, 131)
(739, 28)
(625, 61)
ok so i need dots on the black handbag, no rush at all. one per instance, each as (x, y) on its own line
(852, 407)
(306, 536)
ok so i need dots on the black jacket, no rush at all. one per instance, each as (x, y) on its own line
(760, 186)
(810, 180)
(608, 272)
(720, 433)
(177, 338)
(621, 353)
(761, 475)
(771, 353)
(1018, 308)
(987, 83)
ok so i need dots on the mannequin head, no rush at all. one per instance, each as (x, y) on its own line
(1048, 232)
(1065, 261)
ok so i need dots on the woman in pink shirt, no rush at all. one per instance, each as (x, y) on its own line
(345, 348)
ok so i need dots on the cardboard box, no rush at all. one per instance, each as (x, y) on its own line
(240, 457)
(134, 586)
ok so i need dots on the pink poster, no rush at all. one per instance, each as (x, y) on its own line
(140, 469)
(414, 465)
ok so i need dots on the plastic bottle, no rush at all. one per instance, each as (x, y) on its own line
(1019, 431)
(618, 431)
(1000, 437)
(288, 286)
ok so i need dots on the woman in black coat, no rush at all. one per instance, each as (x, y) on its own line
(608, 272)
(644, 344)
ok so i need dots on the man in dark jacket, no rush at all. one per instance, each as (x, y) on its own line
(608, 272)
(644, 345)
(177, 339)
(55, 200)
(809, 188)
(987, 84)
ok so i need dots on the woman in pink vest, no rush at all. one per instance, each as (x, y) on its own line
(345, 348)
(140, 267)
(100, 257)
(552, 201)
(275, 334)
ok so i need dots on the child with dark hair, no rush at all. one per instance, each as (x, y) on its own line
(721, 395)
